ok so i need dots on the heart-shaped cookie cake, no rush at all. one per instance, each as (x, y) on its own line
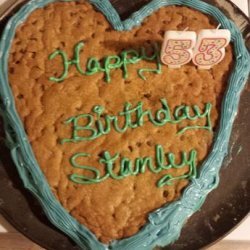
(119, 148)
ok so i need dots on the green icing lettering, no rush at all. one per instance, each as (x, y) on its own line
(67, 63)
(94, 65)
(154, 57)
(92, 171)
(74, 121)
(97, 124)
(198, 115)
(191, 162)
(111, 62)
(129, 57)
(127, 167)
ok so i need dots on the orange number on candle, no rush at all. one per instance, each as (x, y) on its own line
(177, 52)
(210, 51)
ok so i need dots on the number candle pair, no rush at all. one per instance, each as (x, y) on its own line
(180, 47)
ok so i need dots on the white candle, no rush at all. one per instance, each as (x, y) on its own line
(210, 47)
(177, 48)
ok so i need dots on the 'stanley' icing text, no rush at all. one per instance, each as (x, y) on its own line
(116, 171)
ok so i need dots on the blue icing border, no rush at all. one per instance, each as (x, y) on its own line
(164, 225)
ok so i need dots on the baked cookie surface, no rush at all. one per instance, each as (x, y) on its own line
(112, 209)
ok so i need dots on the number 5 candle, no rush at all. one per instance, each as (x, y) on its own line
(177, 48)
(210, 47)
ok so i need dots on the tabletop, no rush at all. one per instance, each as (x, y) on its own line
(239, 239)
